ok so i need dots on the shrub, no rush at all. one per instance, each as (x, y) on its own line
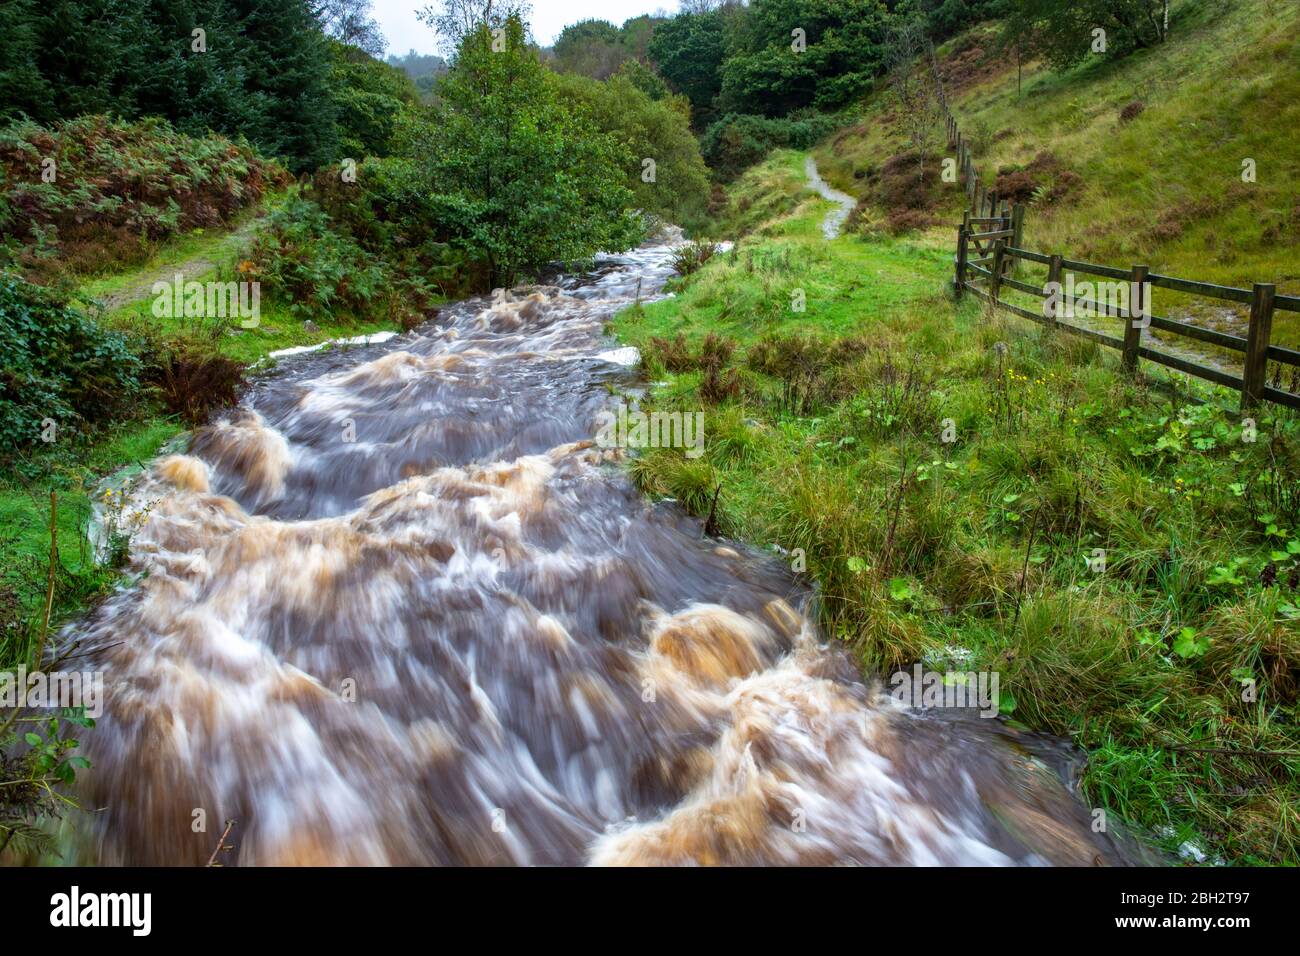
(739, 140)
(673, 354)
(908, 194)
(319, 269)
(194, 383)
(719, 382)
(693, 255)
(1132, 111)
(59, 367)
(1045, 180)
(810, 367)
(391, 213)
(905, 220)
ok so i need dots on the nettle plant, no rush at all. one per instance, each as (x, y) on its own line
(31, 775)
(1202, 452)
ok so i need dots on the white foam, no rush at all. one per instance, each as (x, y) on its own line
(376, 339)
(629, 355)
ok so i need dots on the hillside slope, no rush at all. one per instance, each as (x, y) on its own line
(1146, 151)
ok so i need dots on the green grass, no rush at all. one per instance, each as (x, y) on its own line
(763, 194)
(278, 328)
(24, 514)
(210, 245)
(926, 550)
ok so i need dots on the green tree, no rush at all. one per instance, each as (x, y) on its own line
(637, 33)
(370, 98)
(1065, 32)
(649, 82)
(517, 178)
(23, 90)
(591, 47)
(676, 186)
(454, 20)
(791, 54)
(351, 22)
(286, 61)
(688, 51)
(260, 68)
(945, 18)
(76, 46)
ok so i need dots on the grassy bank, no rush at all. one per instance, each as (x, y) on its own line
(1121, 556)
(126, 300)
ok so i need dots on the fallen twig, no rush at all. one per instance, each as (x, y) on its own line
(221, 844)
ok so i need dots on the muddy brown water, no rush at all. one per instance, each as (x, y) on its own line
(399, 609)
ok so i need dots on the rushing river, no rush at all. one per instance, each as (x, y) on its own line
(398, 608)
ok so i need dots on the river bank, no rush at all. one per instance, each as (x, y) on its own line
(975, 494)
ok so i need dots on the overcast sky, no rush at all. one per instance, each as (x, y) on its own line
(403, 30)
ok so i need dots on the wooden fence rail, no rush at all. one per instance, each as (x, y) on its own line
(994, 232)
(995, 241)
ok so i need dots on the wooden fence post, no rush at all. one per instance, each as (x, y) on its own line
(995, 281)
(1133, 331)
(1255, 372)
(959, 280)
(1054, 276)
(1009, 222)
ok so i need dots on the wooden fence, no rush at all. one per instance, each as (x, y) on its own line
(981, 200)
(994, 231)
(995, 242)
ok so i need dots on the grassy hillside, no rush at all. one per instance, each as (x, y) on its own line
(825, 430)
(1154, 142)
